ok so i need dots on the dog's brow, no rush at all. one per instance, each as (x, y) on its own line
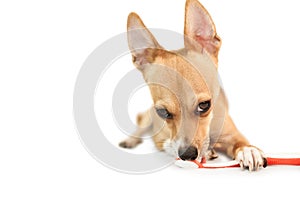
(203, 97)
(167, 104)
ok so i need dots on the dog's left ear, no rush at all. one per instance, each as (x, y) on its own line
(199, 29)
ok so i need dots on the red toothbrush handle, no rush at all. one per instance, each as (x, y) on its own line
(283, 161)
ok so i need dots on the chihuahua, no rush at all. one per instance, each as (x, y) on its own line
(189, 118)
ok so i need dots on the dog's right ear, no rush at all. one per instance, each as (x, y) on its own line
(142, 43)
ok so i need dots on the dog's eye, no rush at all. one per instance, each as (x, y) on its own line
(203, 107)
(164, 113)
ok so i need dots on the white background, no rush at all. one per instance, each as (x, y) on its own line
(42, 47)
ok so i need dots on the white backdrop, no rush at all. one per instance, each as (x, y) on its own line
(42, 47)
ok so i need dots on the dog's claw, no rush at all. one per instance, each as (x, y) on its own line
(130, 143)
(242, 165)
(123, 144)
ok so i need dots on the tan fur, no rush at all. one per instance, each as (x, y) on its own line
(179, 81)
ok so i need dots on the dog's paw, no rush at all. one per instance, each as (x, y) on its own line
(130, 142)
(251, 158)
(211, 154)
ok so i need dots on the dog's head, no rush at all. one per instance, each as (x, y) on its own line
(183, 83)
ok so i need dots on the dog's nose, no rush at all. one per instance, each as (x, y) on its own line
(190, 153)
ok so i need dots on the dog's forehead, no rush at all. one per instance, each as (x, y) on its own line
(185, 74)
(204, 65)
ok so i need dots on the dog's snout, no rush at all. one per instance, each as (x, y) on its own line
(190, 153)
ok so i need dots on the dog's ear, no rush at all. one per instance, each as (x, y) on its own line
(140, 40)
(199, 29)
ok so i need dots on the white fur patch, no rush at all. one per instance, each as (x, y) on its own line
(170, 148)
(250, 157)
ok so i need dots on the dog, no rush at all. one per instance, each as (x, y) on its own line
(189, 118)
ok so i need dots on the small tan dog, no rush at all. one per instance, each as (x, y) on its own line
(189, 118)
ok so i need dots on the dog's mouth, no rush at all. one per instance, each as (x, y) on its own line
(189, 151)
(192, 152)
